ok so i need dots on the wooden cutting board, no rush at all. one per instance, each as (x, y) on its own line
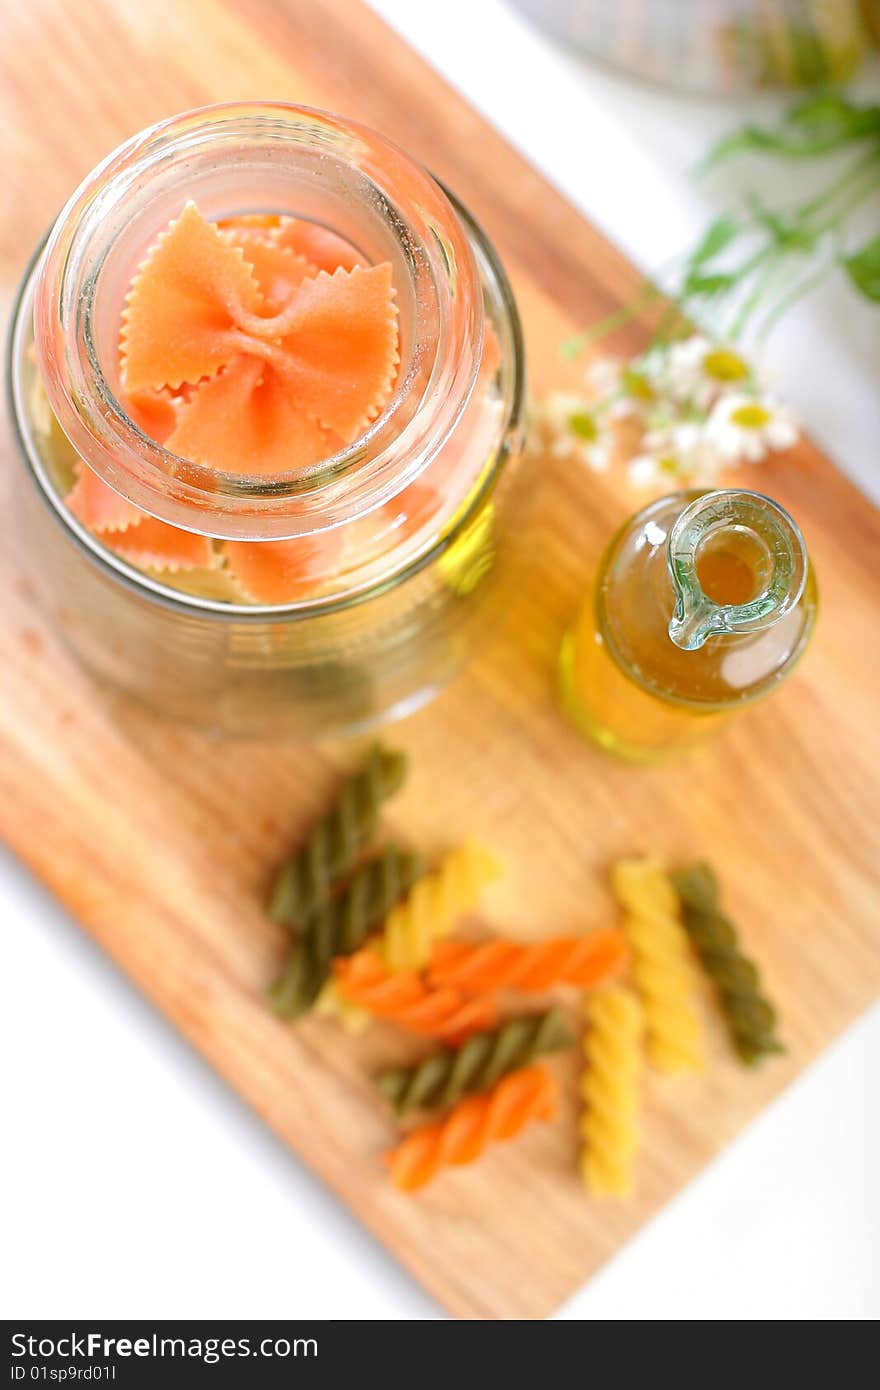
(162, 843)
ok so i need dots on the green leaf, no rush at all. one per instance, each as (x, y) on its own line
(788, 233)
(749, 139)
(815, 126)
(706, 286)
(716, 237)
(830, 113)
(863, 268)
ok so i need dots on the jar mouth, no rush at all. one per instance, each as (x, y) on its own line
(152, 589)
(244, 158)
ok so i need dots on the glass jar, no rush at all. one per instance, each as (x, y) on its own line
(718, 47)
(420, 583)
(703, 603)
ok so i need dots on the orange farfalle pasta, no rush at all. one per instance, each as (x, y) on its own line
(287, 361)
(243, 421)
(134, 534)
(256, 226)
(281, 571)
(266, 571)
(322, 247)
(518, 1100)
(257, 345)
(481, 968)
(96, 505)
(277, 269)
(338, 345)
(405, 999)
(154, 413)
(412, 508)
(154, 544)
(178, 325)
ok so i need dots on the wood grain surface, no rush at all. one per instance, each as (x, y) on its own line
(161, 842)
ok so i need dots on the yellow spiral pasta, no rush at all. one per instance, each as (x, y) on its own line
(660, 963)
(430, 910)
(610, 1088)
(433, 906)
(331, 1003)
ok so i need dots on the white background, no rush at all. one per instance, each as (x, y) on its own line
(135, 1184)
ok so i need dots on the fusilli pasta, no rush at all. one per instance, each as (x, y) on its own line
(492, 965)
(610, 1088)
(405, 998)
(331, 1003)
(477, 1065)
(340, 926)
(751, 1018)
(520, 1098)
(433, 906)
(304, 883)
(660, 965)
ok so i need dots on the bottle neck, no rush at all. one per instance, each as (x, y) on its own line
(738, 564)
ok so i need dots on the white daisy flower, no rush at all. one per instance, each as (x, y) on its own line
(549, 432)
(643, 470)
(680, 370)
(750, 427)
(699, 458)
(596, 457)
(725, 367)
(637, 395)
(696, 371)
(682, 450)
(724, 370)
(602, 376)
(556, 409)
(620, 389)
(624, 408)
(573, 430)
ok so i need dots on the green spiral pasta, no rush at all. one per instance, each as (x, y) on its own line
(751, 1018)
(304, 882)
(446, 1076)
(339, 927)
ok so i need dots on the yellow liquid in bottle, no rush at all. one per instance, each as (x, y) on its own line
(624, 682)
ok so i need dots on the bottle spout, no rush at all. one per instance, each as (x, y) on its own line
(774, 579)
(695, 618)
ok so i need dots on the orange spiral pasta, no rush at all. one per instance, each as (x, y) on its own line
(405, 998)
(492, 965)
(523, 1096)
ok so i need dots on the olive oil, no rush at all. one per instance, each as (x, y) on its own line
(702, 604)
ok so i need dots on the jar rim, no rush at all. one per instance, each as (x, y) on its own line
(431, 248)
(152, 590)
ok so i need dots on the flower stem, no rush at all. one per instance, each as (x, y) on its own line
(839, 185)
(857, 193)
(762, 282)
(791, 296)
(573, 347)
